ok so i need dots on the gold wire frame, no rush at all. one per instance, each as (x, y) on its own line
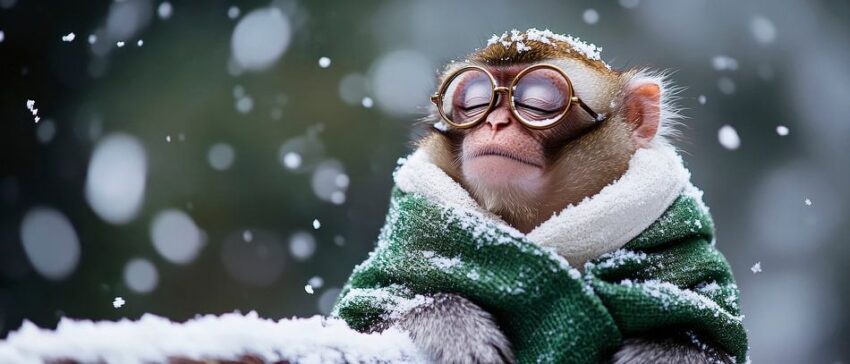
(438, 97)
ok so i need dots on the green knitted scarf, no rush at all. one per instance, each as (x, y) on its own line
(669, 278)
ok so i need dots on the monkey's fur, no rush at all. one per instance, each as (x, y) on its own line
(452, 329)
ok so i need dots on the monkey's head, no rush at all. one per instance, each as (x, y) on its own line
(536, 121)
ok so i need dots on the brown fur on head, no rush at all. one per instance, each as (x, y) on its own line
(571, 161)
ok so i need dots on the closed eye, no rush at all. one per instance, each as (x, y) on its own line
(537, 109)
(473, 107)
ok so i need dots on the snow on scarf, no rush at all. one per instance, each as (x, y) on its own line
(645, 242)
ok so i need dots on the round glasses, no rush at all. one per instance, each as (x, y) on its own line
(540, 97)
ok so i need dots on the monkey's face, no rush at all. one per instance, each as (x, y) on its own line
(501, 156)
(525, 172)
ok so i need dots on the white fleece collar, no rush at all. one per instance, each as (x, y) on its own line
(599, 224)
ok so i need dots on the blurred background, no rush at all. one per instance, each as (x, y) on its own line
(187, 157)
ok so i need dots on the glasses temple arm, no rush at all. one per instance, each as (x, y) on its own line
(589, 111)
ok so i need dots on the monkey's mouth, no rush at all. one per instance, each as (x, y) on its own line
(499, 152)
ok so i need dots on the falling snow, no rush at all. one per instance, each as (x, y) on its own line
(728, 137)
(316, 282)
(324, 62)
(316, 224)
(164, 10)
(233, 12)
(68, 37)
(782, 130)
(33, 110)
(118, 302)
(292, 160)
(309, 289)
(756, 268)
(808, 202)
(367, 102)
(724, 63)
(590, 16)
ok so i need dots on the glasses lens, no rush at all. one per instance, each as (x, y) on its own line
(467, 97)
(542, 97)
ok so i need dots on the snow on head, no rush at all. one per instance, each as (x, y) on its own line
(519, 39)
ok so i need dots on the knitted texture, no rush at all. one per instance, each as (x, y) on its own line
(669, 277)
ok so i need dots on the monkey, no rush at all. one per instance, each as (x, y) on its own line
(490, 138)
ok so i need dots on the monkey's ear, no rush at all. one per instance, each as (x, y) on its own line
(643, 109)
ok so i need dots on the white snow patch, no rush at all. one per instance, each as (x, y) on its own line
(619, 257)
(671, 295)
(154, 339)
(546, 36)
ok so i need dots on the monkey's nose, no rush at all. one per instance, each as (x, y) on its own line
(499, 118)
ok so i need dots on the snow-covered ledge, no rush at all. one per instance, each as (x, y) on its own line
(229, 338)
